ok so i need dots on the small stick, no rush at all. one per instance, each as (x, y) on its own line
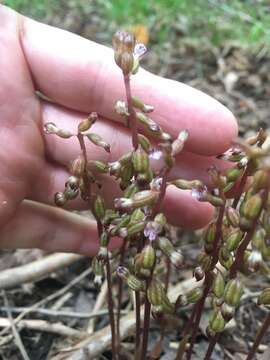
(259, 337)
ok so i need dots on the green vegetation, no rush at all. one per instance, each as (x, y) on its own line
(245, 22)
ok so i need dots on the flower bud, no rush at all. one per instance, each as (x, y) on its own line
(99, 166)
(198, 273)
(264, 297)
(204, 260)
(60, 199)
(178, 144)
(260, 180)
(252, 207)
(137, 216)
(85, 125)
(210, 233)
(50, 128)
(232, 216)
(139, 104)
(232, 174)
(98, 272)
(126, 62)
(160, 218)
(135, 229)
(233, 239)
(152, 230)
(144, 142)
(64, 134)
(218, 285)
(140, 161)
(227, 311)
(133, 282)
(148, 123)
(194, 295)
(121, 225)
(157, 296)
(145, 198)
(97, 140)
(99, 207)
(233, 292)
(78, 167)
(217, 322)
(148, 257)
(188, 184)
(131, 190)
(225, 258)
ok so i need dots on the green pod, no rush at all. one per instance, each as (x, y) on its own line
(194, 295)
(217, 322)
(233, 292)
(99, 207)
(130, 190)
(264, 297)
(136, 228)
(232, 216)
(233, 239)
(252, 207)
(144, 142)
(145, 198)
(98, 141)
(135, 284)
(148, 257)
(137, 216)
(218, 285)
(260, 180)
(266, 222)
(188, 184)
(233, 174)
(165, 246)
(210, 233)
(100, 166)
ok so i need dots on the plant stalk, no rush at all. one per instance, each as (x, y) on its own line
(259, 337)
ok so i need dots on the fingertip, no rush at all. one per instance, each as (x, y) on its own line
(184, 210)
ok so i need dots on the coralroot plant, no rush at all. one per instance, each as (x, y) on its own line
(235, 243)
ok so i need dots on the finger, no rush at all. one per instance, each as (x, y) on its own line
(81, 75)
(41, 226)
(179, 206)
(188, 165)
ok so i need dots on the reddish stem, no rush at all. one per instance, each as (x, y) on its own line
(138, 324)
(259, 337)
(111, 309)
(132, 114)
(211, 346)
(241, 187)
(146, 325)
(208, 281)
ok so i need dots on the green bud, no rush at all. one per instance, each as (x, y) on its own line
(204, 260)
(252, 207)
(148, 257)
(233, 239)
(98, 272)
(233, 292)
(266, 222)
(64, 134)
(97, 140)
(136, 228)
(210, 233)
(145, 198)
(264, 297)
(157, 296)
(217, 322)
(100, 166)
(140, 161)
(137, 216)
(194, 295)
(188, 184)
(232, 216)
(133, 282)
(260, 180)
(85, 124)
(225, 258)
(218, 285)
(139, 104)
(144, 142)
(131, 190)
(233, 174)
(99, 207)
(160, 218)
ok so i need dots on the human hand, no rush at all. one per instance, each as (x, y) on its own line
(80, 76)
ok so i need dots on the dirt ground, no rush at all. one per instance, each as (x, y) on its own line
(240, 79)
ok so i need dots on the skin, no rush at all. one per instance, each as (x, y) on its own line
(80, 76)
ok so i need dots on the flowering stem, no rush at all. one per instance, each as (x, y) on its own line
(211, 346)
(146, 325)
(138, 324)
(241, 187)
(259, 337)
(132, 122)
(111, 309)
(208, 280)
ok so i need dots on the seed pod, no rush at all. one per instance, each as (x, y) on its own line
(254, 260)
(260, 180)
(157, 296)
(218, 285)
(137, 216)
(233, 239)
(210, 233)
(144, 142)
(194, 295)
(148, 257)
(160, 218)
(60, 199)
(265, 249)
(227, 311)
(225, 258)
(214, 200)
(132, 281)
(126, 63)
(233, 292)
(140, 161)
(204, 260)
(71, 194)
(64, 134)
(98, 272)
(258, 238)
(145, 198)
(85, 125)
(232, 174)
(264, 297)
(139, 104)
(123, 203)
(148, 123)
(245, 224)
(217, 322)
(252, 207)
(78, 167)
(99, 207)
(232, 216)
(97, 140)
(188, 184)
(99, 166)
(121, 225)
(145, 178)
(135, 229)
(131, 190)
(198, 273)
(178, 144)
